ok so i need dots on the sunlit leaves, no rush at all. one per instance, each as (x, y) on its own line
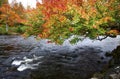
(57, 20)
(35, 21)
(9, 15)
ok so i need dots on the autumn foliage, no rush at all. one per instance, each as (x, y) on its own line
(11, 14)
(58, 20)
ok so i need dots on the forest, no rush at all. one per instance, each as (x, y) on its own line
(58, 20)
(60, 39)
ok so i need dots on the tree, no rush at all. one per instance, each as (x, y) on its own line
(20, 11)
(10, 15)
(1, 3)
(64, 18)
(34, 20)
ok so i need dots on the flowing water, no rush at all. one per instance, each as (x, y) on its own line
(29, 58)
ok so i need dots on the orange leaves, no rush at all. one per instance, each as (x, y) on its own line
(58, 19)
(93, 9)
(106, 19)
(71, 29)
(62, 18)
(83, 14)
(5, 8)
(92, 2)
(75, 2)
(9, 14)
(114, 32)
(95, 27)
(52, 7)
(43, 35)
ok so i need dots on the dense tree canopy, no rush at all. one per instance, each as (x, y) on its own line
(58, 20)
(11, 14)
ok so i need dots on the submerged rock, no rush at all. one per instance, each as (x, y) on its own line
(78, 64)
(18, 56)
(112, 71)
(115, 57)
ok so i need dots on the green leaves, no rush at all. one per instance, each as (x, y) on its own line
(59, 20)
(74, 40)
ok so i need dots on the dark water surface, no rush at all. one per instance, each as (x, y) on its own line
(31, 59)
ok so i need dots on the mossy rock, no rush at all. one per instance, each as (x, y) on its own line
(115, 57)
(112, 71)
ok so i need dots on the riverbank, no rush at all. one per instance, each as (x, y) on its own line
(16, 30)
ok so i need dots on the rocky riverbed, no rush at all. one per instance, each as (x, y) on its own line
(28, 58)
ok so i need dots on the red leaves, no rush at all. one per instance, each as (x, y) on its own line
(5, 8)
(52, 7)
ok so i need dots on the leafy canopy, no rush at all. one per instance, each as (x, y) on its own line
(11, 14)
(58, 20)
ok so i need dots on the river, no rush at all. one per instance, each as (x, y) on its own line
(28, 58)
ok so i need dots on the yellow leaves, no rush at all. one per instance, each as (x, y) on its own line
(3, 15)
(91, 2)
(62, 18)
(43, 35)
(114, 32)
(77, 2)
(95, 26)
(48, 23)
(106, 19)
(85, 15)
(93, 10)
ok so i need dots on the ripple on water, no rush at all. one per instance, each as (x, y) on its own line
(52, 61)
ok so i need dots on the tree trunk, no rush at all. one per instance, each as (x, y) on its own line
(6, 27)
